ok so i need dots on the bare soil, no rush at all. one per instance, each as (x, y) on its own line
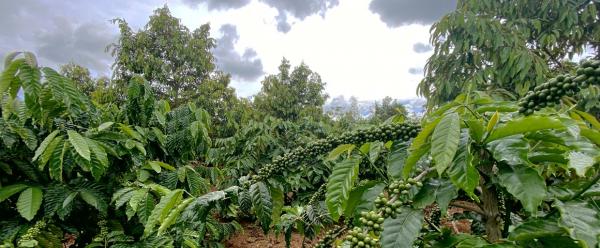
(252, 236)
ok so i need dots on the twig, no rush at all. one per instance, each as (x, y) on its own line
(423, 174)
(468, 206)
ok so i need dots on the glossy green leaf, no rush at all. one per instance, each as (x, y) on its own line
(356, 196)
(80, 144)
(57, 160)
(524, 125)
(48, 153)
(173, 215)
(340, 184)
(42, 147)
(105, 125)
(513, 150)
(493, 121)
(582, 221)
(262, 204)
(8, 191)
(462, 172)
(444, 141)
(396, 159)
(366, 201)
(589, 118)
(592, 135)
(580, 162)
(29, 202)
(335, 153)
(374, 150)
(278, 202)
(402, 231)
(162, 209)
(525, 184)
(440, 191)
(536, 229)
(94, 199)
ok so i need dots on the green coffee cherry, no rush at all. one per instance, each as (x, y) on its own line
(549, 94)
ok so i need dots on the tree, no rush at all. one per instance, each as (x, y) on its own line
(389, 107)
(172, 58)
(218, 98)
(517, 173)
(80, 76)
(62, 160)
(508, 46)
(290, 96)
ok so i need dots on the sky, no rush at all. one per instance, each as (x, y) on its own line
(363, 48)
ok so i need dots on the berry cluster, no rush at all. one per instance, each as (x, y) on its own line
(329, 237)
(393, 131)
(370, 169)
(388, 208)
(358, 238)
(318, 194)
(28, 239)
(103, 231)
(549, 94)
(398, 190)
(400, 187)
(372, 220)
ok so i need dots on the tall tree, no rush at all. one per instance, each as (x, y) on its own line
(172, 58)
(387, 108)
(80, 76)
(218, 98)
(509, 46)
(292, 95)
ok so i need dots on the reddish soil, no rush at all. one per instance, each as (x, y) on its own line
(457, 226)
(252, 236)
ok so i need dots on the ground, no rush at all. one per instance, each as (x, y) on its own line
(253, 237)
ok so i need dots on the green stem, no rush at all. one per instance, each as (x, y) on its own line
(587, 186)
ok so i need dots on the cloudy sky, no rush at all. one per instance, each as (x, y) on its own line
(363, 48)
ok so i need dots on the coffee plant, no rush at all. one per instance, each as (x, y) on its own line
(524, 174)
(550, 93)
(530, 177)
(134, 171)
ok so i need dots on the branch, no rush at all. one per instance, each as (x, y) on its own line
(553, 58)
(587, 186)
(468, 206)
(423, 174)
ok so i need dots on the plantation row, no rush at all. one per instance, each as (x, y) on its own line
(164, 154)
(540, 169)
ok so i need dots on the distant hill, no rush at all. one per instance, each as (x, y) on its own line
(366, 108)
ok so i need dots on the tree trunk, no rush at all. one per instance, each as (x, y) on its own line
(492, 215)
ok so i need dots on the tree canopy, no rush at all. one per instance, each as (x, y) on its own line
(290, 95)
(387, 108)
(172, 58)
(506, 46)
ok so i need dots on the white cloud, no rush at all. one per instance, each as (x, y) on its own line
(353, 50)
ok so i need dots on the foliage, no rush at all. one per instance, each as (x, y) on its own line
(533, 174)
(80, 76)
(173, 59)
(135, 162)
(388, 108)
(506, 46)
(292, 95)
(64, 158)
